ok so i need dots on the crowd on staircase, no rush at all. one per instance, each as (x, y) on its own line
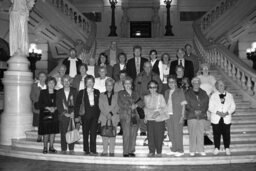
(147, 96)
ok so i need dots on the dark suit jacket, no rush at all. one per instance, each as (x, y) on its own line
(131, 68)
(87, 103)
(188, 70)
(44, 100)
(66, 62)
(61, 99)
(116, 71)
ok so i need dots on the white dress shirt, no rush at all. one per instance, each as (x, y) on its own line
(90, 70)
(216, 105)
(100, 84)
(72, 67)
(166, 71)
(90, 93)
(81, 85)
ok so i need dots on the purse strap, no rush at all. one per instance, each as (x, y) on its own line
(71, 124)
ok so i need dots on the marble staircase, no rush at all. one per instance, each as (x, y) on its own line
(243, 143)
(162, 45)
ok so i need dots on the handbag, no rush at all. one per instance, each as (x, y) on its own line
(47, 115)
(72, 134)
(81, 109)
(108, 130)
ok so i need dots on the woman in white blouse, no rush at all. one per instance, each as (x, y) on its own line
(155, 117)
(100, 81)
(221, 106)
(207, 81)
(165, 58)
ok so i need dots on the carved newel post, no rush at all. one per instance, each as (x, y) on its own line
(17, 115)
(168, 26)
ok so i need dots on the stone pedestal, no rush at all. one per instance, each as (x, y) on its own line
(17, 115)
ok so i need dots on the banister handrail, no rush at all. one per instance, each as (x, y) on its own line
(213, 14)
(219, 55)
(75, 15)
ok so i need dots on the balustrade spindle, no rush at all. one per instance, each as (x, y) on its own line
(84, 24)
(61, 6)
(249, 86)
(225, 65)
(238, 76)
(70, 13)
(254, 87)
(75, 17)
(213, 16)
(229, 69)
(222, 62)
(57, 3)
(233, 72)
(80, 20)
(222, 8)
(243, 81)
(66, 9)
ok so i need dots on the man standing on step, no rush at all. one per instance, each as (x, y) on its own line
(192, 57)
(72, 63)
(186, 64)
(112, 53)
(135, 65)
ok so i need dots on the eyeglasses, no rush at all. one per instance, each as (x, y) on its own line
(152, 87)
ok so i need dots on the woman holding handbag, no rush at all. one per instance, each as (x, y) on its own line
(109, 117)
(129, 117)
(65, 103)
(48, 117)
(155, 117)
(90, 98)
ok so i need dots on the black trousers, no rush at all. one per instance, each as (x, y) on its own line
(221, 129)
(89, 128)
(155, 133)
(64, 121)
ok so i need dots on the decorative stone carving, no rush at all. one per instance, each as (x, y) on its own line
(19, 16)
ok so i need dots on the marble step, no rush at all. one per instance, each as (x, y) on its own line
(140, 149)
(140, 160)
(241, 138)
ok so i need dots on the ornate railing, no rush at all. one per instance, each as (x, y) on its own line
(74, 14)
(212, 15)
(219, 56)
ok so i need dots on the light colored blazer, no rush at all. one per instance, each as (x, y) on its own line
(105, 108)
(216, 105)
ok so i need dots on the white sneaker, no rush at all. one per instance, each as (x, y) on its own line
(178, 154)
(192, 154)
(228, 153)
(216, 151)
(202, 153)
(170, 153)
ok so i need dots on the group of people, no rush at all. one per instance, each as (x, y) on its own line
(152, 95)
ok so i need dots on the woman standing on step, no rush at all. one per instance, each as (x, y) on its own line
(128, 101)
(103, 61)
(78, 81)
(66, 98)
(48, 118)
(196, 108)
(166, 59)
(89, 119)
(155, 117)
(108, 115)
(221, 106)
(34, 96)
(157, 65)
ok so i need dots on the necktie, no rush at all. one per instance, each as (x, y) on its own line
(137, 65)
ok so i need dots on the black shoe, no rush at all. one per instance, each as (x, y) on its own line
(143, 134)
(86, 153)
(93, 154)
(52, 150)
(132, 155)
(126, 155)
(45, 151)
(111, 154)
(39, 140)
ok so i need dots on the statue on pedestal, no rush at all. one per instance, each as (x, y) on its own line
(19, 16)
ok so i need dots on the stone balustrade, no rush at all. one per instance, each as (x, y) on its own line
(220, 56)
(74, 14)
(212, 15)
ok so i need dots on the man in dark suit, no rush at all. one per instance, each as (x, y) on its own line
(91, 114)
(192, 57)
(135, 65)
(187, 65)
(72, 63)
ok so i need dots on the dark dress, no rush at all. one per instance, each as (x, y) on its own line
(48, 122)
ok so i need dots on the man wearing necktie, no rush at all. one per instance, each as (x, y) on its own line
(181, 61)
(72, 63)
(135, 65)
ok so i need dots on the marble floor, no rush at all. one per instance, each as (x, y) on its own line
(17, 164)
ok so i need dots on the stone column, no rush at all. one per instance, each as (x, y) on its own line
(156, 24)
(17, 115)
(125, 27)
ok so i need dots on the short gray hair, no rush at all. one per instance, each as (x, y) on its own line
(195, 79)
(109, 80)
